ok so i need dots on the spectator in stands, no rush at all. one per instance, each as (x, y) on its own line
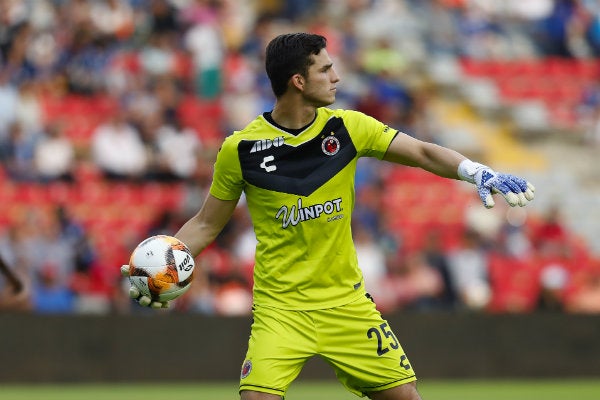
(586, 298)
(551, 236)
(17, 63)
(158, 57)
(28, 109)
(118, 150)
(469, 272)
(66, 277)
(113, 18)
(200, 298)
(382, 59)
(86, 59)
(147, 127)
(49, 296)
(138, 100)
(244, 243)
(17, 154)
(553, 30)
(164, 223)
(168, 94)
(204, 43)
(593, 31)
(435, 256)
(230, 292)
(179, 149)
(480, 36)
(589, 113)
(54, 156)
(372, 261)
(367, 213)
(76, 237)
(50, 250)
(241, 98)
(162, 17)
(513, 238)
(232, 297)
(9, 100)
(443, 38)
(418, 285)
(554, 279)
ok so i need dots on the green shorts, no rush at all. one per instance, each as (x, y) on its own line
(354, 339)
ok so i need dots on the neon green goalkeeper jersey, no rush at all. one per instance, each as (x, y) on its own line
(300, 193)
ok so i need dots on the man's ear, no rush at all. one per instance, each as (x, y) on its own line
(298, 81)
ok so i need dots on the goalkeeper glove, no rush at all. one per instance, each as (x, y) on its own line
(135, 293)
(515, 190)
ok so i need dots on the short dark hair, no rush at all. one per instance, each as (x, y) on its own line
(289, 54)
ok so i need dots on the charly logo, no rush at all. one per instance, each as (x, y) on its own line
(299, 213)
(330, 145)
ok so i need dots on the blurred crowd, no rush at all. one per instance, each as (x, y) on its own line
(155, 85)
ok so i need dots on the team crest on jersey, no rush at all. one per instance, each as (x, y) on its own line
(246, 369)
(330, 145)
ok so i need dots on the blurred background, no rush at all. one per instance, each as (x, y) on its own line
(112, 111)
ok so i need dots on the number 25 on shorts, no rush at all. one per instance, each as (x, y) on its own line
(381, 333)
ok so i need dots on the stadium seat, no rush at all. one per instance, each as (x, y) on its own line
(515, 283)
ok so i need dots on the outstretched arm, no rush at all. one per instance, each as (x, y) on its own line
(200, 230)
(448, 163)
(439, 160)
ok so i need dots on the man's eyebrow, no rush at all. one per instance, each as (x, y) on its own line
(326, 66)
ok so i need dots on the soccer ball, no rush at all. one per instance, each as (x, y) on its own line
(161, 267)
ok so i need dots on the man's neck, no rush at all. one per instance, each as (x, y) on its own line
(292, 116)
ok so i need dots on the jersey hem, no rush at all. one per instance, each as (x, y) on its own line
(400, 382)
(320, 306)
(388, 145)
(220, 196)
(262, 389)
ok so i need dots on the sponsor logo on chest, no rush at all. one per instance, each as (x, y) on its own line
(300, 213)
(266, 144)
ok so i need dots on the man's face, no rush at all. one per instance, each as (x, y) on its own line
(320, 83)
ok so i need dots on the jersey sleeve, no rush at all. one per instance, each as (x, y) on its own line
(227, 183)
(371, 137)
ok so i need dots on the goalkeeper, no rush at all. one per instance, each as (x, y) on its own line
(296, 166)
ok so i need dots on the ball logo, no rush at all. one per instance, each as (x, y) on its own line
(330, 145)
(246, 369)
(187, 264)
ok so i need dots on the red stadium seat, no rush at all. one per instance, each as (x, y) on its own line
(515, 284)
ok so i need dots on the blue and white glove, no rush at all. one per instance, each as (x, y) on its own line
(515, 190)
(135, 293)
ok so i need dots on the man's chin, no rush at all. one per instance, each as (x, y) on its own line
(327, 103)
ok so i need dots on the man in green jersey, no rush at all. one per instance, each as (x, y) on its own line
(296, 166)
